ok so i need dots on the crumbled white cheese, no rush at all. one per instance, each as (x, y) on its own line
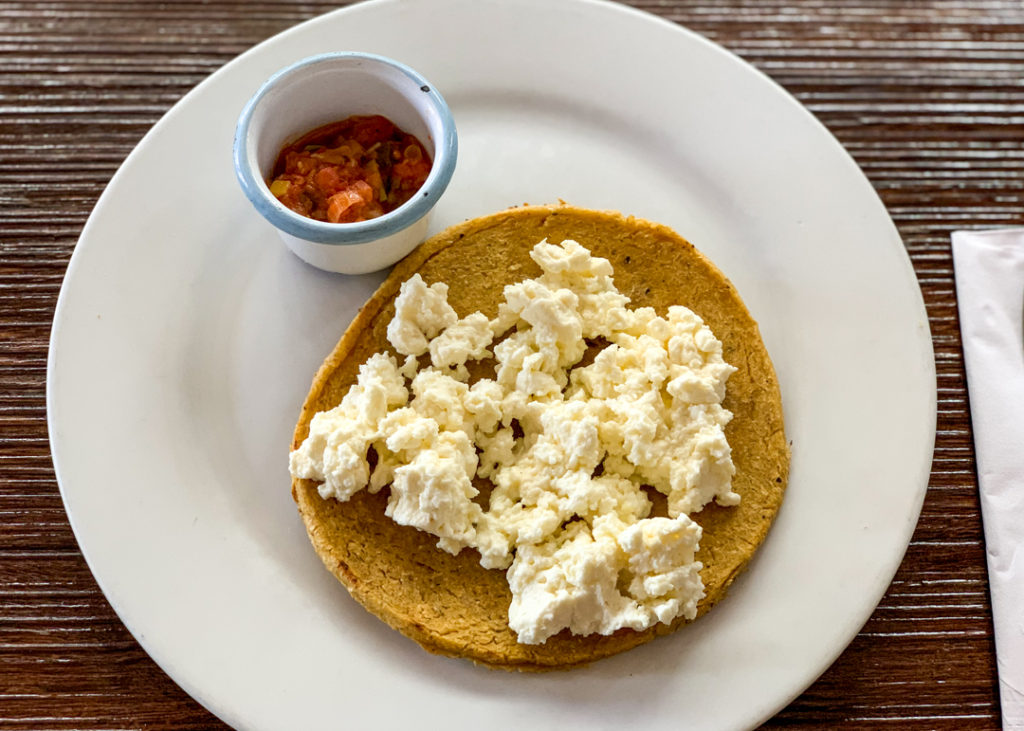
(434, 491)
(463, 340)
(567, 454)
(602, 579)
(421, 312)
(339, 439)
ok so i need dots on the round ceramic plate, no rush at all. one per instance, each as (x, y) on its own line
(186, 337)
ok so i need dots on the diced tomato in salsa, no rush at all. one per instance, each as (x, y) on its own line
(353, 170)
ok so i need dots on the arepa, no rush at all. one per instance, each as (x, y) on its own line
(451, 605)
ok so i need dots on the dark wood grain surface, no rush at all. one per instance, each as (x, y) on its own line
(928, 96)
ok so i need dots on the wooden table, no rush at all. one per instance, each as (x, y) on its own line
(928, 97)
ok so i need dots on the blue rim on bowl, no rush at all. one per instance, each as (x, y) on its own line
(342, 234)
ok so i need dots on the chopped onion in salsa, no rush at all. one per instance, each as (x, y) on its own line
(353, 170)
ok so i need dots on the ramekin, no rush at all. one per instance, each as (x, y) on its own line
(328, 88)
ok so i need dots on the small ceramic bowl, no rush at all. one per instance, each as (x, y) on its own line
(328, 88)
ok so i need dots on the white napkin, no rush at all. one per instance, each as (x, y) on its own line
(989, 269)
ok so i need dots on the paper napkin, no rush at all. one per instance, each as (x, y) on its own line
(989, 268)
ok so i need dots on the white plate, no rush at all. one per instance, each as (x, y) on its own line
(186, 336)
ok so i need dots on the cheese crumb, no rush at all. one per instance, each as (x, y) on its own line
(421, 312)
(567, 447)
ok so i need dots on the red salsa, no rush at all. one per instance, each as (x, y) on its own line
(353, 170)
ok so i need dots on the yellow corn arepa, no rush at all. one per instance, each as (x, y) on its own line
(450, 604)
